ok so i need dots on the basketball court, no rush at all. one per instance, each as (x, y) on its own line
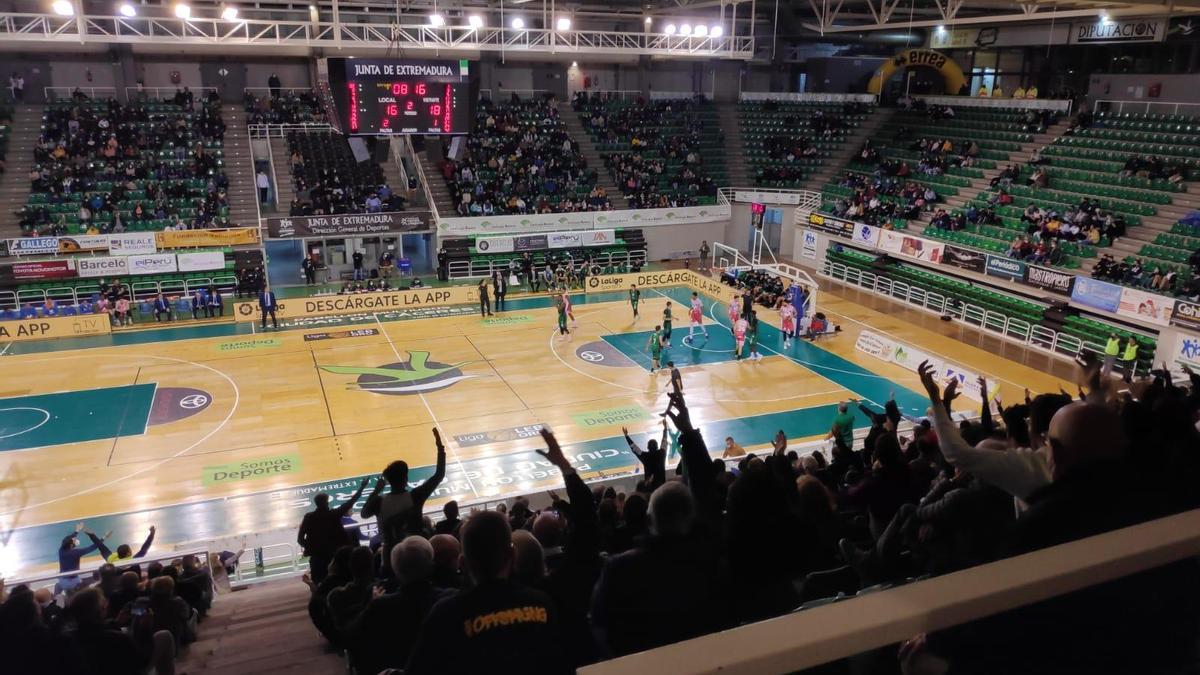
(228, 430)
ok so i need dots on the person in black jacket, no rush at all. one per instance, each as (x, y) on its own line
(495, 627)
(321, 532)
(399, 511)
(485, 303)
(500, 286)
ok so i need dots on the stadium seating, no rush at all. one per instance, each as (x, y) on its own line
(325, 169)
(661, 153)
(292, 107)
(628, 252)
(787, 141)
(521, 159)
(141, 166)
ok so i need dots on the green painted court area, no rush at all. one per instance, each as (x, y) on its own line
(74, 416)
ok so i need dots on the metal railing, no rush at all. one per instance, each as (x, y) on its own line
(267, 90)
(52, 93)
(609, 94)
(1012, 328)
(140, 290)
(282, 130)
(477, 269)
(1145, 107)
(164, 93)
(1060, 105)
(801, 199)
(423, 180)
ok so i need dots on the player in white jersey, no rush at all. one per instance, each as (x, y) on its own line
(696, 314)
(735, 310)
(787, 320)
(739, 336)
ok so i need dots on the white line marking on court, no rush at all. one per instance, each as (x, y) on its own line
(237, 398)
(5, 350)
(39, 424)
(445, 438)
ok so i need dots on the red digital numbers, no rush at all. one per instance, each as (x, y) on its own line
(392, 110)
(435, 110)
(400, 89)
(410, 106)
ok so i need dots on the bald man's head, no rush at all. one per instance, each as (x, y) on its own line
(548, 527)
(529, 560)
(1082, 433)
(412, 559)
(446, 551)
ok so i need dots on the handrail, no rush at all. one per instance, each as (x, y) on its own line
(820, 635)
(423, 180)
(93, 92)
(285, 90)
(157, 92)
(1192, 109)
(282, 130)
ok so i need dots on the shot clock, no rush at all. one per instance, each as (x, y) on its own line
(381, 97)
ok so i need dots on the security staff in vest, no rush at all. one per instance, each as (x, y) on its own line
(267, 304)
(1129, 357)
(162, 306)
(485, 303)
(1111, 349)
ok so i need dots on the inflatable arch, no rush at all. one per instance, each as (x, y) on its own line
(925, 58)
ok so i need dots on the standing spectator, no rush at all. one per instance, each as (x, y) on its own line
(359, 273)
(1129, 358)
(310, 270)
(842, 429)
(496, 626)
(399, 512)
(275, 84)
(500, 286)
(16, 84)
(264, 186)
(451, 522)
(123, 552)
(321, 532)
(1111, 349)
(267, 305)
(705, 251)
(69, 555)
(485, 303)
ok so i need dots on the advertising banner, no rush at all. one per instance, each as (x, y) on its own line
(362, 303)
(228, 236)
(964, 258)
(33, 246)
(583, 220)
(1096, 293)
(909, 357)
(598, 237)
(348, 224)
(532, 242)
(1186, 315)
(38, 271)
(102, 266)
(606, 283)
(756, 197)
(830, 225)
(1005, 268)
(564, 240)
(968, 382)
(83, 243)
(809, 247)
(875, 345)
(866, 235)
(494, 244)
(160, 263)
(198, 262)
(910, 246)
(54, 327)
(1186, 351)
(1118, 30)
(132, 243)
(1143, 306)
(1051, 280)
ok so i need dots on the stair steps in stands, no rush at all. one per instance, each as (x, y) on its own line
(239, 168)
(284, 187)
(14, 183)
(740, 174)
(836, 163)
(437, 186)
(587, 148)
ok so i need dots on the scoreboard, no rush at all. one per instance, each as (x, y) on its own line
(400, 96)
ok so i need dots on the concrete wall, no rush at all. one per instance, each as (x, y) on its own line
(670, 241)
(840, 75)
(1134, 86)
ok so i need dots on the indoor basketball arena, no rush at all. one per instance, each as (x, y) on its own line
(485, 337)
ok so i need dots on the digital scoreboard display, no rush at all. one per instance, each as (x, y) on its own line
(400, 96)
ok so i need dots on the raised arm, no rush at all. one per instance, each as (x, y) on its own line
(585, 531)
(371, 508)
(146, 544)
(422, 491)
(344, 509)
(985, 409)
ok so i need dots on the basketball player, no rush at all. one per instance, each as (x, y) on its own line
(735, 310)
(634, 296)
(666, 324)
(787, 319)
(752, 336)
(561, 306)
(676, 378)
(656, 348)
(740, 326)
(696, 314)
(567, 303)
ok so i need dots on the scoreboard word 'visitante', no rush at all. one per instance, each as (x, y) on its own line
(393, 96)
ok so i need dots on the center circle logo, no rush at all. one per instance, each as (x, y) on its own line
(193, 401)
(591, 356)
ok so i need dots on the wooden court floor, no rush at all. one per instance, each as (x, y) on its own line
(239, 425)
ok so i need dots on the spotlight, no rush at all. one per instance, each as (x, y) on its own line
(563, 23)
(127, 10)
(685, 29)
(716, 31)
(701, 31)
(669, 29)
(182, 11)
(574, 64)
(229, 14)
(475, 21)
(63, 8)
(518, 23)
(437, 20)
(648, 21)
